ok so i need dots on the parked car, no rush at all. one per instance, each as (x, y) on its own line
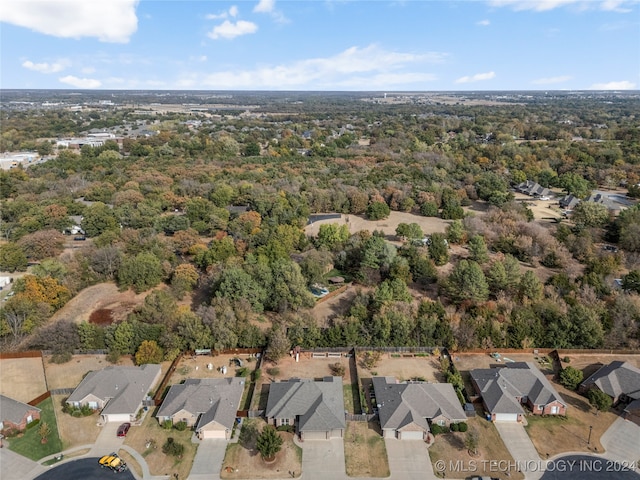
(80, 238)
(123, 429)
(114, 462)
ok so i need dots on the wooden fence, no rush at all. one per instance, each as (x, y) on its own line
(27, 354)
(39, 399)
(157, 398)
(329, 295)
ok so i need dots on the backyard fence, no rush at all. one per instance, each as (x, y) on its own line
(354, 417)
(39, 399)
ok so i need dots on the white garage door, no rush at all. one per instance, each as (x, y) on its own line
(411, 435)
(213, 434)
(117, 417)
(315, 435)
(506, 417)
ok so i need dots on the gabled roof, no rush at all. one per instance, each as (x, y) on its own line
(213, 399)
(616, 379)
(318, 404)
(14, 411)
(499, 387)
(400, 404)
(123, 388)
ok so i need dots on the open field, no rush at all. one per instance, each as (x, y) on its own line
(160, 464)
(449, 447)
(70, 374)
(246, 463)
(554, 435)
(471, 361)
(364, 450)
(22, 378)
(591, 362)
(357, 223)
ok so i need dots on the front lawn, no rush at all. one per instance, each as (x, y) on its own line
(148, 439)
(365, 453)
(29, 444)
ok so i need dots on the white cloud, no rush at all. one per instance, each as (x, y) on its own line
(264, 6)
(109, 21)
(361, 68)
(230, 30)
(88, 70)
(545, 5)
(551, 80)
(233, 11)
(483, 23)
(80, 82)
(476, 78)
(621, 85)
(45, 67)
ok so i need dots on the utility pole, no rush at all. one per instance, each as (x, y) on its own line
(590, 429)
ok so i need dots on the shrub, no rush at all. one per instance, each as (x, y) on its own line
(286, 428)
(113, 356)
(167, 424)
(273, 371)
(337, 369)
(173, 448)
(455, 427)
(248, 434)
(181, 426)
(571, 377)
(61, 357)
(437, 429)
(33, 424)
(566, 360)
(242, 372)
(256, 374)
(463, 427)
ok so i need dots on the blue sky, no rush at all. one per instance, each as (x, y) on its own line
(409, 45)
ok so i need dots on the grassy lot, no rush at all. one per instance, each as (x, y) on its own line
(29, 444)
(553, 435)
(75, 431)
(449, 447)
(131, 462)
(246, 463)
(351, 396)
(364, 450)
(159, 463)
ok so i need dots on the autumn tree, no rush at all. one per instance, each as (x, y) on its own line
(12, 258)
(184, 278)
(42, 244)
(149, 352)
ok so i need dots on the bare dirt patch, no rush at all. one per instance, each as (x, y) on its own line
(246, 463)
(554, 435)
(97, 297)
(22, 378)
(207, 366)
(364, 450)
(492, 453)
(70, 374)
(426, 368)
(590, 363)
(471, 361)
(333, 307)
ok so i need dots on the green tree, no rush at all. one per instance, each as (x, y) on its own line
(471, 440)
(456, 232)
(98, 218)
(429, 209)
(631, 281)
(530, 287)
(574, 184)
(467, 282)
(12, 258)
(278, 344)
(331, 235)
(149, 352)
(478, 249)
(141, 272)
(410, 231)
(193, 332)
(600, 400)
(269, 443)
(378, 211)
(571, 377)
(439, 249)
(590, 214)
(251, 149)
(236, 284)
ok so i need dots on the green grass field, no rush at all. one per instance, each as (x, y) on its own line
(29, 445)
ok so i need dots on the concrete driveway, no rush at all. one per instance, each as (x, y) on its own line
(622, 442)
(107, 441)
(322, 459)
(409, 459)
(520, 447)
(208, 461)
(16, 467)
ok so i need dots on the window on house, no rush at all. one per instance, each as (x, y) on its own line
(285, 421)
(554, 409)
(441, 423)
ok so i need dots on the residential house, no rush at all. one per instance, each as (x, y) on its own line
(619, 380)
(15, 415)
(632, 412)
(406, 409)
(506, 389)
(612, 206)
(569, 202)
(532, 189)
(209, 405)
(316, 408)
(118, 392)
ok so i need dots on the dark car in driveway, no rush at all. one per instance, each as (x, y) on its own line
(123, 429)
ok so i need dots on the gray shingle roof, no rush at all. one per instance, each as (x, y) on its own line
(12, 410)
(499, 387)
(214, 399)
(318, 404)
(401, 404)
(123, 387)
(616, 379)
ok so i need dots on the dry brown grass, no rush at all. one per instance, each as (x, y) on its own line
(240, 462)
(22, 378)
(75, 431)
(450, 448)
(364, 450)
(159, 463)
(131, 462)
(553, 435)
(403, 368)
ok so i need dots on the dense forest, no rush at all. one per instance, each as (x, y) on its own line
(209, 213)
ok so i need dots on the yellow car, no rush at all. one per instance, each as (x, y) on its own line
(114, 462)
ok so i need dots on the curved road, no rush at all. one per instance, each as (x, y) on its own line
(83, 469)
(587, 467)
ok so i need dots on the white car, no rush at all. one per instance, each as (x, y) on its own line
(544, 198)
